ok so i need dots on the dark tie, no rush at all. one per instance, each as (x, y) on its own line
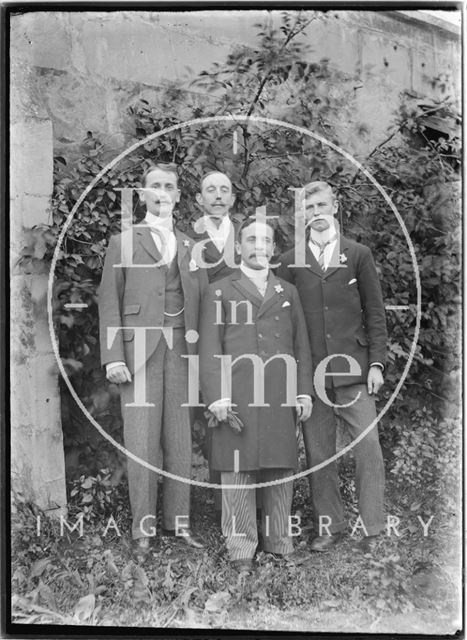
(322, 246)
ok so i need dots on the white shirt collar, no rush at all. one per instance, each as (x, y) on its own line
(260, 275)
(156, 221)
(222, 230)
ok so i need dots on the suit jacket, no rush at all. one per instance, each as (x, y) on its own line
(213, 256)
(264, 327)
(343, 307)
(134, 296)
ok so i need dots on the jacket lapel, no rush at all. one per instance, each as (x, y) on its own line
(311, 262)
(272, 296)
(184, 245)
(146, 240)
(340, 249)
(246, 287)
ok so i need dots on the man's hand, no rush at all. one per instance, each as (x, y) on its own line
(119, 374)
(303, 407)
(219, 408)
(220, 411)
(375, 380)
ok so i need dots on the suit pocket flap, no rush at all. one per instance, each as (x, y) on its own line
(362, 341)
(131, 308)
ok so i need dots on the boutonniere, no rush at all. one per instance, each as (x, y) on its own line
(193, 266)
(278, 288)
(218, 292)
(186, 243)
(342, 258)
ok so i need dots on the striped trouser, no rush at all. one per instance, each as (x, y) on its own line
(239, 513)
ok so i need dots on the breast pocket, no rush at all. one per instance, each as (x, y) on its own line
(130, 309)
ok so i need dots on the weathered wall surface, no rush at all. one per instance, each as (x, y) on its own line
(89, 66)
(37, 457)
(73, 72)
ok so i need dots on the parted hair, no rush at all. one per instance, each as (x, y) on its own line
(254, 220)
(316, 187)
(168, 167)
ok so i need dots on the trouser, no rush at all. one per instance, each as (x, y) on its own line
(160, 435)
(319, 435)
(239, 513)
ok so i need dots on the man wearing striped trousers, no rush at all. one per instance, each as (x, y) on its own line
(252, 324)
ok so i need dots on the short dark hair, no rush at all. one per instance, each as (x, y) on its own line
(168, 167)
(255, 220)
(210, 173)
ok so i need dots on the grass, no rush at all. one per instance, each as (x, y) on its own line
(410, 583)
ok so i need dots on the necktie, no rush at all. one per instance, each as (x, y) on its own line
(322, 246)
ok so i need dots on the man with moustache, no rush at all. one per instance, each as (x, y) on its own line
(215, 231)
(150, 281)
(214, 234)
(342, 300)
(251, 315)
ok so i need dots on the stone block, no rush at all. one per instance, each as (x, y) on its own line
(31, 164)
(41, 39)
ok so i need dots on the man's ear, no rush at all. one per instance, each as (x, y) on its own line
(232, 199)
(238, 247)
(177, 197)
(141, 195)
(199, 199)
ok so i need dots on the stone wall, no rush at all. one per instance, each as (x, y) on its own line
(89, 66)
(37, 456)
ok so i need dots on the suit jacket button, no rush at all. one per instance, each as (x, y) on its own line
(277, 335)
(260, 335)
(276, 317)
(328, 335)
(326, 308)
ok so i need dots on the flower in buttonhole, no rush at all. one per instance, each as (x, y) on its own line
(342, 258)
(279, 288)
(186, 243)
(193, 266)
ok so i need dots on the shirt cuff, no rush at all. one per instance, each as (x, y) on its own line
(378, 364)
(112, 365)
(303, 395)
(223, 402)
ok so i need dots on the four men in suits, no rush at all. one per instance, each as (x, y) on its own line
(148, 302)
(251, 323)
(253, 330)
(342, 300)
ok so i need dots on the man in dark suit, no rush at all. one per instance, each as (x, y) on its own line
(252, 315)
(342, 300)
(152, 285)
(215, 233)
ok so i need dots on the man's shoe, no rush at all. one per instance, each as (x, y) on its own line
(186, 536)
(325, 543)
(141, 548)
(368, 544)
(242, 566)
